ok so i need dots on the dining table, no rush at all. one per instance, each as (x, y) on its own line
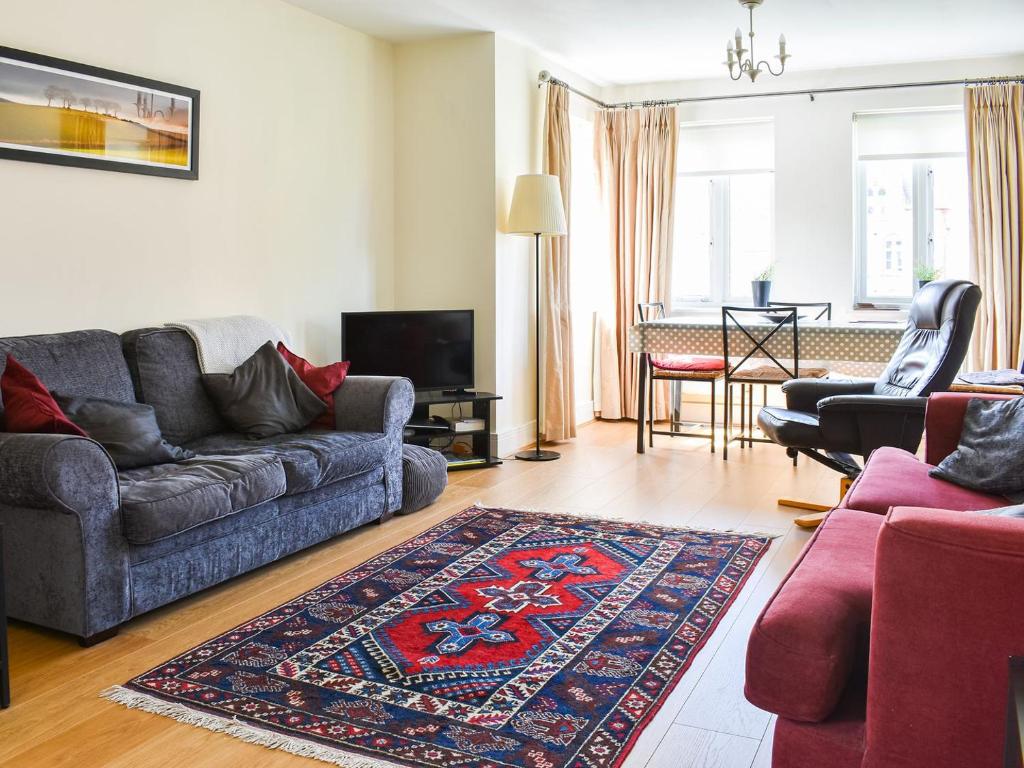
(858, 347)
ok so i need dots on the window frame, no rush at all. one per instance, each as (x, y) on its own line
(720, 247)
(923, 213)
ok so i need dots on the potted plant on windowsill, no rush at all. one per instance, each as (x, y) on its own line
(925, 273)
(761, 286)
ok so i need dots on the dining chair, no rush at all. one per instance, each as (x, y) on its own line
(824, 308)
(677, 369)
(759, 334)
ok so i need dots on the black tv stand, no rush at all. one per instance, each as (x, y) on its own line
(418, 433)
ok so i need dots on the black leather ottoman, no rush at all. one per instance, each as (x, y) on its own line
(424, 477)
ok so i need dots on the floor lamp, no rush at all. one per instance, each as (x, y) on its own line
(537, 210)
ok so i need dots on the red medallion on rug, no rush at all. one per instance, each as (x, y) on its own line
(497, 638)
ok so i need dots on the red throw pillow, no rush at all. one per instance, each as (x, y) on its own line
(323, 381)
(29, 406)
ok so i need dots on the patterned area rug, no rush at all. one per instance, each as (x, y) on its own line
(497, 638)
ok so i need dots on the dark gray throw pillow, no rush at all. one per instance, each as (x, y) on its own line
(1017, 510)
(990, 456)
(263, 396)
(128, 431)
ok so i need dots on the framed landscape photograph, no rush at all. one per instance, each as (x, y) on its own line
(60, 112)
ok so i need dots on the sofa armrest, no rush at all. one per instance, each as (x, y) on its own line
(946, 615)
(378, 404)
(65, 553)
(61, 472)
(867, 422)
(944, 422)
(804, 394)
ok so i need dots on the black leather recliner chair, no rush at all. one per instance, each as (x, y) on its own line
(831, 421)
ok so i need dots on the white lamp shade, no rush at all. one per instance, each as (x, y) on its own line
(537, 206)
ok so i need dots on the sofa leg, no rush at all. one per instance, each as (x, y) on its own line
(99, 637)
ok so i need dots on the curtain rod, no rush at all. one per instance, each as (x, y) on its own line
(546, 77)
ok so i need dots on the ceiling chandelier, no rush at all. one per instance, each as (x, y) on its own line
(735, 51)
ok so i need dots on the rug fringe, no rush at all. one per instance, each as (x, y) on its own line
(270, 739)
(623, 519)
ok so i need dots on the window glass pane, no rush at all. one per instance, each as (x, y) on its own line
(888, 228)
(691, 261)
(750, 230)
(950, 239)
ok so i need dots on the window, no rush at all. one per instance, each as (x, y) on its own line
(724, 219)
(911, 201)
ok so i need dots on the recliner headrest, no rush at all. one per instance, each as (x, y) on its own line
(933, 302)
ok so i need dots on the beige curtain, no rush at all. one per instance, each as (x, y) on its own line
(635, 151)
(559, 412)
(995, 161)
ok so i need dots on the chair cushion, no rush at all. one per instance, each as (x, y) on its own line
(895, 478)
(772, 373)
(688, 362)
(165, 499)
(807, 639)
(311, 459)
(786, 427)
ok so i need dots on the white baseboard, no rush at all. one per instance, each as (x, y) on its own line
(511, 440)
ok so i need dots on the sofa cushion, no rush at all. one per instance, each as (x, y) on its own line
(78, 363)
(988, 457)
(264, 396)
(895, 478)
(311, 459)
(323, 380)
(29, 406)
(128, 431)
(165, 371)
(807, 639)
(165, 499)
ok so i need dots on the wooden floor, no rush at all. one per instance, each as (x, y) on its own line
(57, 718)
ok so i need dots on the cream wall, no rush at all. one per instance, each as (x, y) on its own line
(444, 183)
(292, 215)
(814, 184)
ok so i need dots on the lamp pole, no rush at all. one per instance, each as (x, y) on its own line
(537, 454)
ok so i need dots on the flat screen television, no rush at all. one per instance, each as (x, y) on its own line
(432, 348)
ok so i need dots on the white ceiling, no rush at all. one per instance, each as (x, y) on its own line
(632, 41)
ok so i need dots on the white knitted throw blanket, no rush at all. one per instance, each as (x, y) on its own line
(224, 343)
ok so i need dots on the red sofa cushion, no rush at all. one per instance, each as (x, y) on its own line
(688, 363)
(807, 639)
(895, 478)
(28, 404)
(321, 380)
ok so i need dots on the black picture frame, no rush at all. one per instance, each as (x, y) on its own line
(81, 160)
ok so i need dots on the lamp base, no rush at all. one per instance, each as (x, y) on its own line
(535, 454)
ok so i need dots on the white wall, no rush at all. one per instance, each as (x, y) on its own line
(814, 182)
(444, 183)
(292, 215)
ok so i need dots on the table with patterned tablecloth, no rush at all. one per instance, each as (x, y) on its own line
(864, 347)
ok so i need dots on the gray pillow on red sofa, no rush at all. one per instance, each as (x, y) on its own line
(263, 397)
(1016, 510)
(128, 431)
(989, 457)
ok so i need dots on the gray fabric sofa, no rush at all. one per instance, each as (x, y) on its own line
(87, 547)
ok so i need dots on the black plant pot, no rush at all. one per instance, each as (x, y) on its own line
(762, 290)
(922, 283)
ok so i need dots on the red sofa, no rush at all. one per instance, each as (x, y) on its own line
(886, 645)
